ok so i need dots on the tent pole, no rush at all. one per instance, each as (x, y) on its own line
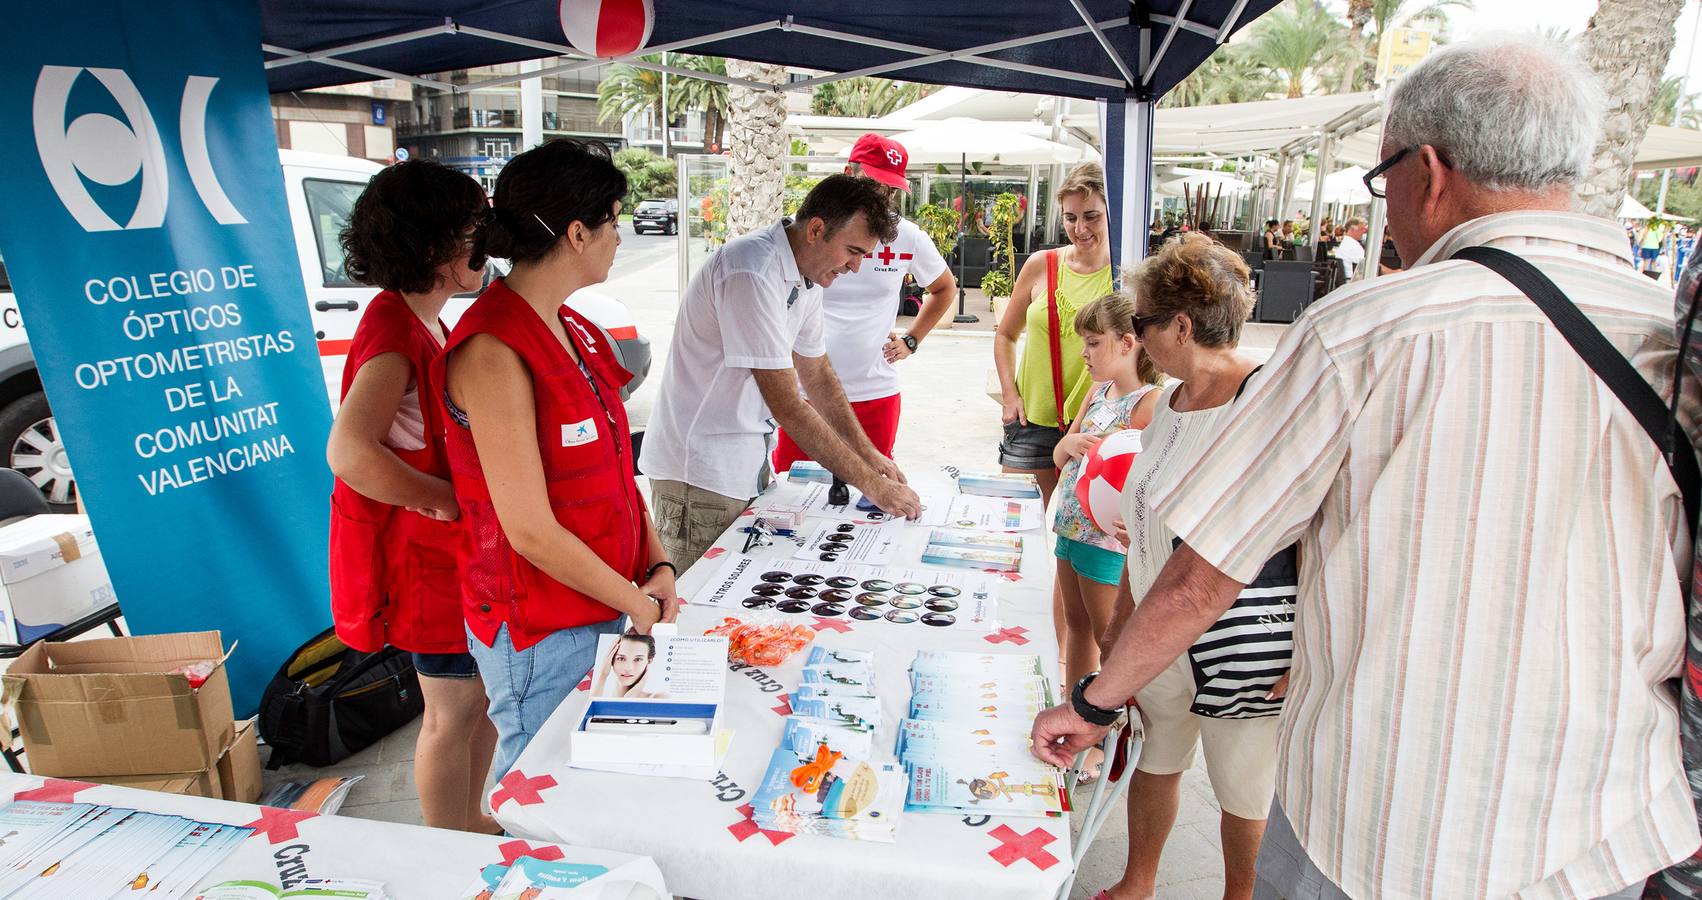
(1374, 241)
(531, 107)
(1325, 145)
(1033, 190)
(1127, 127)
(963, 317)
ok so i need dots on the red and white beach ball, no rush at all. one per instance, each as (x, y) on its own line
(605, 28)
(1103, 471)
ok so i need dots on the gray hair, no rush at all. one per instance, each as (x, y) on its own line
(1510, 113)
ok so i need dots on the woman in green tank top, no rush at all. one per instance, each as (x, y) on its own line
(1033, 423)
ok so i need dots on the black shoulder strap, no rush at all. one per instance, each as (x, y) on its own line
(1609, 364)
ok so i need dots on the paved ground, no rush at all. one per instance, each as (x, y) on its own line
(948, 419)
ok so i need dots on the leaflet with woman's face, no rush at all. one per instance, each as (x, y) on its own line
(662, 665)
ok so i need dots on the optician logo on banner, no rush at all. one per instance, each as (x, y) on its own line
(147, 239)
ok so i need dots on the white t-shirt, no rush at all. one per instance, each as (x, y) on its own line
(860, 308)
(747, 308)
(1351, 252)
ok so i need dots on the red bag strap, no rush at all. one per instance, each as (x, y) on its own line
(1054, 336)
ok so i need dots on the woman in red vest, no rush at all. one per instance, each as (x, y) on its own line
(394, 532)
(562, 545)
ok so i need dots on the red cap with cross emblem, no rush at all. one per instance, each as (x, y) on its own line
(882, 159)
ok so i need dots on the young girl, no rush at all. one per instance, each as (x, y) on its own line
(1090, 561)
(394, 519)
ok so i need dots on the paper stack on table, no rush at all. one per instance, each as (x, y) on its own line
(821, 780)
(998, 484)
(57, 850)
(966, 743)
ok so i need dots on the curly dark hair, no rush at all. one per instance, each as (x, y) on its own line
(839, 198)
(412, 218)
(543, 191)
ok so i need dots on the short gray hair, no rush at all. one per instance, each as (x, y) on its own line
(1510, 113)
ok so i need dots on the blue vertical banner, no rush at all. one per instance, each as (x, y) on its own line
(148, 241)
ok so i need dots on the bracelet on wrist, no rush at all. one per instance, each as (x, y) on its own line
(651, 572)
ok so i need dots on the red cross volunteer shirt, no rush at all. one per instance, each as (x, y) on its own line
(393, 572)
(860, 308)
(587, 457)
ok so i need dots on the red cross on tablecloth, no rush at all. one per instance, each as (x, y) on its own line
(522, 790)
(1030, 846)
(584, 683)
(746, 827)
(714, 552)
(279, 824)
(513, 850)
(785, 707)
(823, 624)
(1013, 634)
(54, 790)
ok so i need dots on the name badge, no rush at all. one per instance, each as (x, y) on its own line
(579, 433)
(1102, 419)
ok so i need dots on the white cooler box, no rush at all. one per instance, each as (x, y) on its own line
(51, 575)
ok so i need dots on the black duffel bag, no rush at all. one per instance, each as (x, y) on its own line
(329, 702)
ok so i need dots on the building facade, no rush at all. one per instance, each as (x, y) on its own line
(345, 120)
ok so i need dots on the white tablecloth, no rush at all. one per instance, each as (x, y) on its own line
(700, 833)
(414, 863)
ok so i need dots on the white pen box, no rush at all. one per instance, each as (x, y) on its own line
(655, 700)
(647, 732)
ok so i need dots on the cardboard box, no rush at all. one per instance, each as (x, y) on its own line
(194, 784)
(239, 768)
(109, 707)
(51, 575)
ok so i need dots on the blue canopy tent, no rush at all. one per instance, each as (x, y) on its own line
(1124, 54)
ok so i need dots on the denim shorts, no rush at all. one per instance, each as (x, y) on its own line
(1028, 446)
(526, 686)
(445, 665)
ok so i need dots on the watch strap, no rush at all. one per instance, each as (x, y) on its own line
(1096, 715)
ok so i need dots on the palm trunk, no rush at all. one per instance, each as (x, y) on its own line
(758, 148)
(1627, 43)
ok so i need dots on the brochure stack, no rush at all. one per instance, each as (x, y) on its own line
(56, 850)
(821, 779)
(965, 745)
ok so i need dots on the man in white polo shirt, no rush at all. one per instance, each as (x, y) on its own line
(860, 309)
(749, 332)
(1351, 252)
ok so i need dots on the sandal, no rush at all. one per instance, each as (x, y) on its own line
(1090, 772)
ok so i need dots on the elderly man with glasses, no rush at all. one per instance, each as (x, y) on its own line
(1489, 610)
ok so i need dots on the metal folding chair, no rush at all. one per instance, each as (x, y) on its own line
(1122, 746)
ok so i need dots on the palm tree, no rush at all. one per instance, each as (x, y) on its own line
(1295, 40)
(1627, 43)
(629, 88)
(864, 97)
(709, 96)
(757, 120)
(1229, 75)
(1670, 108)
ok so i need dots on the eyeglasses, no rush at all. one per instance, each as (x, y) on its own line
(1142, 323)
(1375, 182)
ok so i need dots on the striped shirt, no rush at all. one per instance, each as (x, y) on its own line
(1489, 610)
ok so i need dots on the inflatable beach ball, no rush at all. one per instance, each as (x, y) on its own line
(605, 28)
(1103, 471)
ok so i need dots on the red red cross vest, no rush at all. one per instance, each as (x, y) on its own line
(393, 572)
(587, 456)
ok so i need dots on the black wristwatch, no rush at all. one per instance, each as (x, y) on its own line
(909, 341)
(1093, 715)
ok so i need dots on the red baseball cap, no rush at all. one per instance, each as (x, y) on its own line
(882, 159)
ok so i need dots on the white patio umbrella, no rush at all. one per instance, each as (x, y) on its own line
(1008, 143)
(1171, 183)
(1346, 187)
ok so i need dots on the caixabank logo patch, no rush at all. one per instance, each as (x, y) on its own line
(103, 154)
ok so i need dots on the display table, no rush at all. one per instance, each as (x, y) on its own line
(414, 863)
(701, 833)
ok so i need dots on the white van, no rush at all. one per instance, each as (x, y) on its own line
(320, 191)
